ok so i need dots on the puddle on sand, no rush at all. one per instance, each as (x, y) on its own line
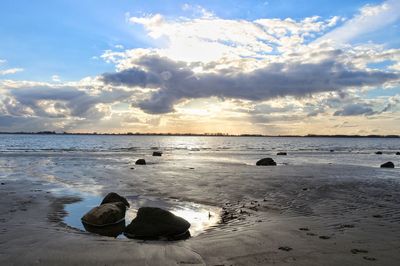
(201, 217)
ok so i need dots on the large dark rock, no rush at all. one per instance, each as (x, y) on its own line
(387, 165)
(378, 152)
(281, 153)
(105, 214)
(155, 223)
(114, 197)
(140, 162)
(157, 153)
(398, 153)
(266, 161)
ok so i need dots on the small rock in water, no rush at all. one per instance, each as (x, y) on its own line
(105, 214)
(266, 161)
(331, 150)
(281, 153)
(324, 237)
(304, 229)
(140, 162)
(155, 223)
(377, 216)
(398, 153)
(111, 211)
(387, 165)
(157, 153)
(285, 248)
(378, 152)
(3, 183)
(114, 197)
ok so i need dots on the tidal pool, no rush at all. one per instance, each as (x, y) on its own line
(201, 217)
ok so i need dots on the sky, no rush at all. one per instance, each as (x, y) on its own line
(288, 67)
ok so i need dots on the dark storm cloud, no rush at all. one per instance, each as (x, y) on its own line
(355, 109)
(177, 81)
(79, 103)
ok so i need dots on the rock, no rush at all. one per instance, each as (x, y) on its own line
(398, 153)
(387, 165)
(331, 150)
(105, 214)
(157, 153)
(281, 153)
(155, 223)
(266, 161)
(114, 197)
(141, 162)
(378, 152)
(113, 230)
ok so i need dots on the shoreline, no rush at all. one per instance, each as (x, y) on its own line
(318, 198)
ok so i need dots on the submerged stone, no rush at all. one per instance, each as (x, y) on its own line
(266, 161)
(155, 223)
(157, 153)
(387, 165)
(398, 153)
(281, 153)
(140, 162)
(378, 152)
(105, 214)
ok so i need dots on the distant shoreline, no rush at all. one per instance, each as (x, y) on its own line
(199, 135)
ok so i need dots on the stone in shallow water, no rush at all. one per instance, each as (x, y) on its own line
(281, 153)
(105, 214)
(155, 223)
(114, 197)
(378, 152)
(140, 162)
(266, 161)
(398, 153)
(157, 153)
(387, 165)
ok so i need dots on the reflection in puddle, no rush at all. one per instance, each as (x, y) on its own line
(201, 217)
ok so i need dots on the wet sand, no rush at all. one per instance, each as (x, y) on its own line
(285, 215)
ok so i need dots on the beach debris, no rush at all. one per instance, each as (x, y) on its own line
(356, 250)
(141, 162)
(281, 153)
(378, 152)
(157, 153)
(285, 248)
(387, 165)
(156, 223)
(266, 162)
(324, 237)
(110, 212)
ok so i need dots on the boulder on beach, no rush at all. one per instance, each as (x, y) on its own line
(266, 161)
(387, 165)
(140, 162)
(114, 197)
(105, 214)
(157, 153)
(155, 223)
(378, 152)
(281, 153)
(398, 153)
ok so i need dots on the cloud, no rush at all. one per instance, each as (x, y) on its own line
(10, 71)
(355, 109)
(370, 18)
(175, 80)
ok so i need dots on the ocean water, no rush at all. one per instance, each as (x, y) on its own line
(236, 150)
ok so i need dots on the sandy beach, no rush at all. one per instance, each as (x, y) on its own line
(305, 214)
